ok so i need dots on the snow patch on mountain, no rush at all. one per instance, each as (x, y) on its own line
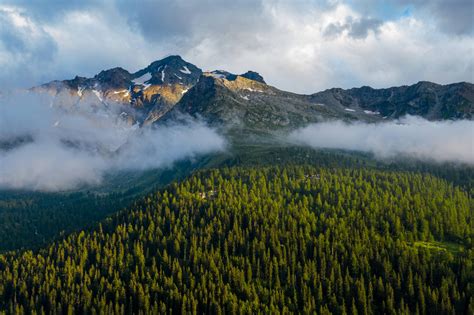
(217, 75)
(163, 74)
(253, 90)
(98, 94)
(185, 70)
(121, 91)
(369, 112)
(79, 90)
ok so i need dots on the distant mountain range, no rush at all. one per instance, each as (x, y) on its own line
(171, 85)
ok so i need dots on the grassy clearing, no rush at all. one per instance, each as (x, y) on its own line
(453, 248)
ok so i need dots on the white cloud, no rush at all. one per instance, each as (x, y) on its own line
(49, 166)
(292, 52)
(286, 41)
(74, 148)
(410, 137)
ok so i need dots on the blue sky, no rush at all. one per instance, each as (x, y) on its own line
(301, 45)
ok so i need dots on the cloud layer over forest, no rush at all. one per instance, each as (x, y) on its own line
(64, 149)
(440, 141)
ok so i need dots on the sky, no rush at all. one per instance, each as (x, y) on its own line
(302, 46)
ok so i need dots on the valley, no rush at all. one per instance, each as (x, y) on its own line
(249, 220)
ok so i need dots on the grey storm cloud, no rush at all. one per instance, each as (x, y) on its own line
(450, 16)
(454, 16)
(22, 47)
(356, 27)
(189, 22)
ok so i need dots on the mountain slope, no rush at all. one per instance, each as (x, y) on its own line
(237, 101)
(429, 100)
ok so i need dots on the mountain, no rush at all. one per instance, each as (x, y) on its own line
(148, 93)
(246, 101)
(172, 85)
(430, 100)
(162, 84)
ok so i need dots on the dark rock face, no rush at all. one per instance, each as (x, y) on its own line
(74, 83)
(252, 75)
(426, 99)
(114, 78)
(224, 74)
(199, 98)
(250, 106)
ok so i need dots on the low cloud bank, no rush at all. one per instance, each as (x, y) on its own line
(440, 141)
(66, 148)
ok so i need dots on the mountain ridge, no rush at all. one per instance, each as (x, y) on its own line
(158, 91)
(408, 98)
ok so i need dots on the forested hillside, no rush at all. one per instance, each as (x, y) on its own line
(293, 239)
(32, 220)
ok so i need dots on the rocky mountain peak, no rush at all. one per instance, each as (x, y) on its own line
(170, 70)
(114, 78)
(221, 74)
(77, 81)
(255, 76)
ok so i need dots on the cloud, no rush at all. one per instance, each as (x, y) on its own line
(189, 22)
(67, 149)
(49, 166)
(409, 137)
(52, 9)
(301, 46)
(23, 46)
(355, 28)
(452, 17)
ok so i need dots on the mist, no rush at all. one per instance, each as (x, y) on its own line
(48, 147)
(412, 137)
